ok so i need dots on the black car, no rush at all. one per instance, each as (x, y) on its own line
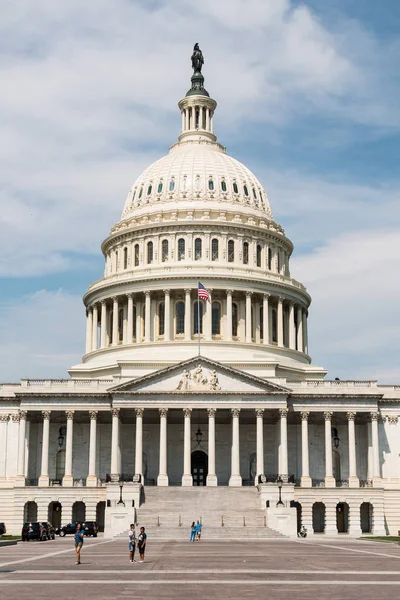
(3, 529)
(35, 530)
(89, 528)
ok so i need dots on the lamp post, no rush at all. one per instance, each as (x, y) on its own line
(335, 437)
(280, 484)
(120, 501)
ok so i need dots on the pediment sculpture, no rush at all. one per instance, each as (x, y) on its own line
(198, 380)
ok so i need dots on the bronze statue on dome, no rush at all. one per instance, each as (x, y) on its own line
(197, 59)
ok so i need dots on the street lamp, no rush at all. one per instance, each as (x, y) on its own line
(280, 484)
(120, 501)
(199, 436)
(336, 439)
(61, 436)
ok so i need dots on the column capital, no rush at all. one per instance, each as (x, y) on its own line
(163, 412)
(229, 292)
(46, 414)
(147, 293)
(211, 412)
(167, 292)
(266, 296)
(249, 294)
(351, 416)
(130, 295)
(259, 413)
(103, 302)
(281, 299)
(115, 412)
(235, 412)
(304, 415)
(187, 412)
(374, 416)
(283, 412)
(93, 415)
(4, 418)
(22, 414)
(139, 412)
(69, 414)
(115, 298)
(15, 418)
(328, 416)
(188, 291)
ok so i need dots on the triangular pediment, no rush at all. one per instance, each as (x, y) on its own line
(199, 375)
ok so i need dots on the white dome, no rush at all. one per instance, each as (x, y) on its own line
(197, 171)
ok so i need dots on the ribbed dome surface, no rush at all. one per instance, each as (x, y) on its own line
(199, 171)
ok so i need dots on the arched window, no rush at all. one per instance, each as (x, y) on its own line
(149, 252)
(278, 256)
(184, 184)
(197, 184)
(161, 318)
(141, 192)
(231, 251)
(235, 188)
(258, 255)
(274, 326)
(245, 253)
(211, 184)
(261, 322)
(245, 190)
(234, 319)
(196, 316)
(164, 251)
(134, 194)
(134, 323)
(181, 249)
(223, 185)
(197, 249)
(136, 255)
(149, 189)
(120, 326)
(159, 189)
(180, 317)
(214, 249)
(125, 258)
(269, 259)
(254, 194)
(116, 260)
(172, 185)
(216, 318)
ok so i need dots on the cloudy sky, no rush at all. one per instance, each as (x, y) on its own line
(308, 97)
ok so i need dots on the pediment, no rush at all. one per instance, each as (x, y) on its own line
(199, 375)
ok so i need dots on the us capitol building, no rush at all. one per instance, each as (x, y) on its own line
(146, 428)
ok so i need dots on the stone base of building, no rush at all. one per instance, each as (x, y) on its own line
(91, 481)
(44, 481)
(212, 480)
(187, 480)
(162, 480)
(235, 480)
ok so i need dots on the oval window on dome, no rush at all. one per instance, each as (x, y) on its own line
(172, 185)
(141, 192)
(184, 184)
(223, 185)
(254, 194)
(211, 184)
(149, 189)
(159, 189)
(134, 194)
(197, 183)
(245, 190)
(235, 188)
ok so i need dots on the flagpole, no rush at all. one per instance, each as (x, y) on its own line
(198, 321)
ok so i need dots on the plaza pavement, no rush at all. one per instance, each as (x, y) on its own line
(275, 569)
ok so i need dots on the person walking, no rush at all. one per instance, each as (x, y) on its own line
(142, 544)
(132, 543)
(193, 532)
(198, 530)
(79, 535)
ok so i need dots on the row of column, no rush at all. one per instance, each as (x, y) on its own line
(297, 328)
(204, 121)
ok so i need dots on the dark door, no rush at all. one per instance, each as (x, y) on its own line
(199, 467)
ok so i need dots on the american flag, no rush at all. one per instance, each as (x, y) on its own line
(202, 292)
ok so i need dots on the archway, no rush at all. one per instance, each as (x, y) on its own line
(30, 512)
(78, 511)
(342, 517)
(318, 513)
(199, 467)
(366, 515)
(100, 515)
(54, 514)
(297, 506)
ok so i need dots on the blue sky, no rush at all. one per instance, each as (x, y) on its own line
(308, 96)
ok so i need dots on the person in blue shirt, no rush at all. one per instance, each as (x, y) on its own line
(198, 530)
(193, 532)
(79, 535)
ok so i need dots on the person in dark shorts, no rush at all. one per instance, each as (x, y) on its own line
(132, 543)
(142, 544)
(79, 535)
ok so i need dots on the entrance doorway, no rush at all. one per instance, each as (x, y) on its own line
(54, 514)
(342, 517)
(199, 467)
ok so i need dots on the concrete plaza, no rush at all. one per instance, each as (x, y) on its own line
(237, 569)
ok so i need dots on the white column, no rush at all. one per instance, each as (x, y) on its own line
(279, 318)
(207, 119)
(305, 332)
(68, 479)
(183, 120)
(89, 329)
(188, 317)
(260, 442)
(283, 454)
(129, 336)
(229, 315)
(299, 329)
(3, 445)
(292, 332)
(305, 459)
(147, 316)
(193, 118)
(353, 479)
(21, 448)
(138, 322)
(211, 477)
(103, 324)
(187, 478)
(375, 448)
(329, 479)
(44, 471)
(162, 479)
(248, 317)
(208, 305)
(115, 474)
(139, 442)
(91, 479)
(266, 319)
(167, 315)
(235, 478)
(201, 118)
(95, 339)
(115, 322)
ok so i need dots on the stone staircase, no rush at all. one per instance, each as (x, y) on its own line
(225, 512)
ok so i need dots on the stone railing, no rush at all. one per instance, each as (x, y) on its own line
(331, 384)
(67, 383)
(366, 483)
(318, 483)
(33, 482)
(342, 483)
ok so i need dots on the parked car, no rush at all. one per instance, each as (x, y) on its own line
(89, 527)
(3, 529)
(35, 531)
